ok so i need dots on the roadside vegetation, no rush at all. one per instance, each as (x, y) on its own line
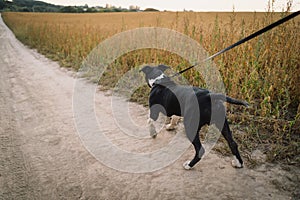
(264, 71)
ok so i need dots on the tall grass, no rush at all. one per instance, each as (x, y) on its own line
(265, 71)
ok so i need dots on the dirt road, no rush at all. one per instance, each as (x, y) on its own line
(43, 157)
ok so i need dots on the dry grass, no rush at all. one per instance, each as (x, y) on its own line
(265, 71)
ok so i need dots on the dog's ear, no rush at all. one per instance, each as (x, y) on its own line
(146, 69)
(163, 67)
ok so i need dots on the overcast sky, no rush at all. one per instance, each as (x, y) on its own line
(180, 5)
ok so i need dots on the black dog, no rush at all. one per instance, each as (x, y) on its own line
(197, 106)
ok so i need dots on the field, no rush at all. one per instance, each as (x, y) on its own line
(264, 71)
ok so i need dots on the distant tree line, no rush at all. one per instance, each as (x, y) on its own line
(28, 6)
(40, 6)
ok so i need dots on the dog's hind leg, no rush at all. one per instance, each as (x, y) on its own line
(237, 161)
(192, 126)
(199, 152)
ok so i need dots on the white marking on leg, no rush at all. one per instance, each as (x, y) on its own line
(150, 121)
(236, 163)
(173, 122)
(168, 120)
(175, 119)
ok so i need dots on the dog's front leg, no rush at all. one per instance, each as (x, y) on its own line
(152, 130)
(153, 116)
(155, 109)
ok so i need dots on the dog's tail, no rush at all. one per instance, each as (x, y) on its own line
(236, 101)
(218, 96)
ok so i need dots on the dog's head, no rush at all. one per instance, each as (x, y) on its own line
(155, 75)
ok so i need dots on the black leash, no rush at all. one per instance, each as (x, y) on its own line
(253, 35)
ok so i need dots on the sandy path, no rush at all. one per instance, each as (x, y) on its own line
(42, 156)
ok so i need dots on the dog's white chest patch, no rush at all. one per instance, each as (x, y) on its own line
(152, 81)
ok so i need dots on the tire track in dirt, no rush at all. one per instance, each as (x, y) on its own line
(30, 132)
(13, 171)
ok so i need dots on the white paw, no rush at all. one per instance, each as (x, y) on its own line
(152, 131)
(170, 127)
(236, 163)
(186, 165)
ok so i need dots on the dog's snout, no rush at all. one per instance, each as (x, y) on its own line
(146, 69)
